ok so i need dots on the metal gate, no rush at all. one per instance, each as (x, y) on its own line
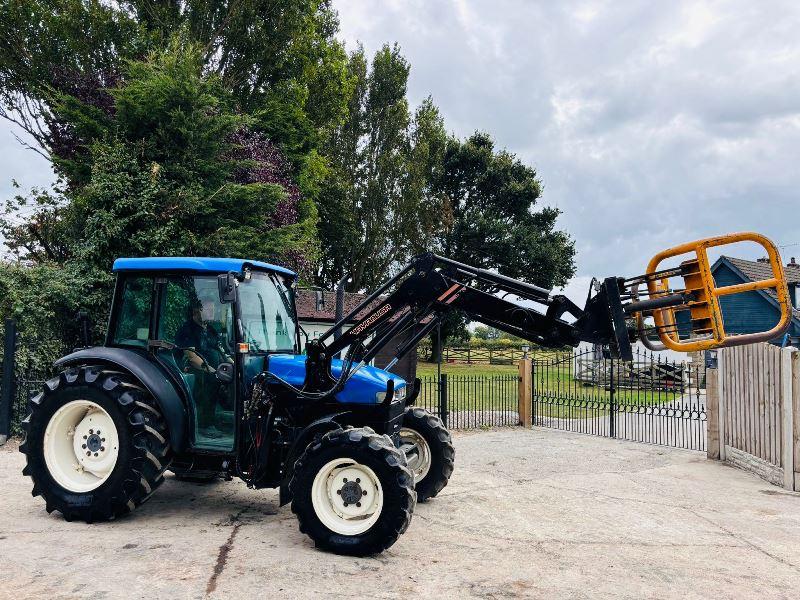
(650, 399)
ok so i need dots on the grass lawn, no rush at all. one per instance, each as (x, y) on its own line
(425, 369)
(495, 387)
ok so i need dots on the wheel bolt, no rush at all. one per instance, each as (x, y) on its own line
(83, 446)
(339, 492)
(364, 493)
(345, 504)
(95, 454)
(102, 448)
(88, 453)
(102, 439)
(91, 431)
(84, 437)
(358, 504)
(358, 480)
(98, 432)
(344, 479)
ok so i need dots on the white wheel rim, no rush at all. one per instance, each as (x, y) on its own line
(80, 446)
(417, 451)
(347, 496)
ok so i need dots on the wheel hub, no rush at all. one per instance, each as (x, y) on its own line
(417, 451)
(94, 443)
(347, 496)
(81, 446)
(351, 492)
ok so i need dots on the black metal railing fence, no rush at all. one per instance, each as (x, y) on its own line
(652, 399)
(472, 401)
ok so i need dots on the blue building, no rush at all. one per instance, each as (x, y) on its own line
(758, 310)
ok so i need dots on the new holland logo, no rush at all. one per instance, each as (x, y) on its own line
(371, 319)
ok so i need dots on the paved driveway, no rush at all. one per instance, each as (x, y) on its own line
(527, 514)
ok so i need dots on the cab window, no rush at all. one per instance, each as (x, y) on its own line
(268, 318)
(132, 327)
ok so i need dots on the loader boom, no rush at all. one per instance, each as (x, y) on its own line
(411, 304)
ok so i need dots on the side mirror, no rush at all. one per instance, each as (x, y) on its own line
(227, 287)
(224, 372)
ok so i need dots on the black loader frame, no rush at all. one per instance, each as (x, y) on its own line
(414, 301)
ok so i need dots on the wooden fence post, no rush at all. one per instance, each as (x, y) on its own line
(796, 419)
(525, 393)
(787, 418)
(712, 414)
(722, 403)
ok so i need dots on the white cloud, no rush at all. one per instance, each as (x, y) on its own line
(649, 123)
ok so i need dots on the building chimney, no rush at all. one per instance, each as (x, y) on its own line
(793, 263)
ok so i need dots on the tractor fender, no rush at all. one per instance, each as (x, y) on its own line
(303, 439)
(151, 377)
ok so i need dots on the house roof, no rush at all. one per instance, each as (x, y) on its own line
(752, 270)
(309, 309)
(755, 270)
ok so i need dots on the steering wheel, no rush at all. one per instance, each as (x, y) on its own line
(206, 362)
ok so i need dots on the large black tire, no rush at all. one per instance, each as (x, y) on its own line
(440, 444)
(143, 453)
(364, 447)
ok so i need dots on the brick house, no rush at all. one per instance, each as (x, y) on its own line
(316, 312)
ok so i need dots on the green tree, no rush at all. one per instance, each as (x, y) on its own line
(378, 207)
(186, 127)
(277, 57)
(491, 219)
(176, 171)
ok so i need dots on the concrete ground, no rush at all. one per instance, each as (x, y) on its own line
(537, 513)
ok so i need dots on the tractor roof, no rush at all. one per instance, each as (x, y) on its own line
(195, 264)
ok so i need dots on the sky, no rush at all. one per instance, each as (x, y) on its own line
(649, 123)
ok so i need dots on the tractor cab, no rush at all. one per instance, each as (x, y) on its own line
(207, 337)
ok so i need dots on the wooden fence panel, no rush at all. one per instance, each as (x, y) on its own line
(759, 411)
(796, 411)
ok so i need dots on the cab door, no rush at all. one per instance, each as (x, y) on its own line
(201, 327)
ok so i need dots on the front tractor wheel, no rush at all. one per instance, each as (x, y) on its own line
(429, 451)
(96, 445)
(352, 492)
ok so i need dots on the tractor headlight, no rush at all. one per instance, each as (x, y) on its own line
(398, 395)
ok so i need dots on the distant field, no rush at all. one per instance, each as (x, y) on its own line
(425, 369)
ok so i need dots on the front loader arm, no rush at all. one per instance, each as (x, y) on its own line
(427, 289)
(411, 304)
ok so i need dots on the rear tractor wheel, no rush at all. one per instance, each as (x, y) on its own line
(96, 444)
(352, 492)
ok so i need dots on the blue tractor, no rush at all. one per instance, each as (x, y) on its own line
(202, 374)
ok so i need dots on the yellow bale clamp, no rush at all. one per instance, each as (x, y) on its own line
(708, 328)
